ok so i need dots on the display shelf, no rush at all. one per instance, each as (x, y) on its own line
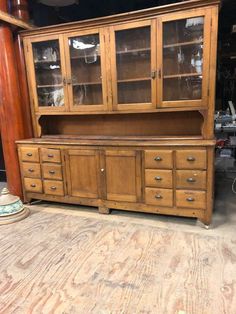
(86, 83)
(182, 75)
(120, 52)
(50, 86)
(187, 43)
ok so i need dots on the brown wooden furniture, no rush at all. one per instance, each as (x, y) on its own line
(122, 108)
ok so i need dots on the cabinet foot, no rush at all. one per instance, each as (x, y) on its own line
(103, 210)
(206, 224)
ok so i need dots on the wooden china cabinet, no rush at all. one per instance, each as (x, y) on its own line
(122, 108)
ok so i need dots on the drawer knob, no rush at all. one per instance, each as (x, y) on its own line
(33, 185)
(158, 178)
(190, 158)
(50, 155)
(53, 188)
(158, 196)
(102, 170)
(190, 199)
(191, 180)
(29, 154)
(31, 170)
(51, 171)
(158, 158)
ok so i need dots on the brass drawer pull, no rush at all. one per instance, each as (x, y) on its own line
(191, 158)
(31, 170)
(158, 178)
(51, 171)
(190, 199)
(50, 155)
(33, 185)
(29, 154)
(191, 180)
(158, 196)
(158, 158)
(53, 188)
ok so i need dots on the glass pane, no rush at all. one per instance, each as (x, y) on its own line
(183, 59)
(183, 88)
(86, 70)
(133, 61)
(48, 73)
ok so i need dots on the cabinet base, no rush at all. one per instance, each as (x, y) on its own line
(103, 210)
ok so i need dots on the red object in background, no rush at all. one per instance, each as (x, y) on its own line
(221, 143)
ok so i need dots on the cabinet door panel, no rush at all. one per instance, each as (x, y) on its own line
(133, 65)
(184, 58)
(46, 64)
(123, 175)
(82, 173)
(85, 57)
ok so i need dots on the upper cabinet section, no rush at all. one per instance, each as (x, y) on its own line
(148, 64)
(184, 58)
(132, 61)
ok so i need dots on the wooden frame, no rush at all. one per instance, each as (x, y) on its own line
(32, 75)
(87, 108)
(127, 26)
(206, 13)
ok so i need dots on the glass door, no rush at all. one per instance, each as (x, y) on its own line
(86, 74)
(133, 66)
(47, 73)
(184, 59)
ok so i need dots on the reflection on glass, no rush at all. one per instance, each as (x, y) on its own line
(183, 59)
(86, 70)
(183, 88)
(133, 63)
(48, 73)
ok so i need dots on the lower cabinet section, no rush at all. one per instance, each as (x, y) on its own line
(158, 180)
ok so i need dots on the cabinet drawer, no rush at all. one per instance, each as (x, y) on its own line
(53, 187)
(160, 197)
(33, 185)
(191, 199)
(50, 155)
(192, 179)
(51, 171)
(31, 170)
(191, 159)
(158, 178)
(161, 159)
(29, 154)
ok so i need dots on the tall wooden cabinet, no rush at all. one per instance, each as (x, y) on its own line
(122, 108)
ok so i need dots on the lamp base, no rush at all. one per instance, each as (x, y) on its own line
(8, 219)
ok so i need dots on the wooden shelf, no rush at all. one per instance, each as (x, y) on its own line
(187, 43)
(46, 61)
(83, 57)
(135, 80)
(182, 75)
(48, 86)
(87, 83)
(132, 51)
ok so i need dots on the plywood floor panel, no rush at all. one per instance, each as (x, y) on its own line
(62, 261)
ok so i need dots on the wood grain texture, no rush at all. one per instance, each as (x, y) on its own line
(63, 263)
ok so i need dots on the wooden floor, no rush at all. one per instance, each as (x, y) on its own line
(64, 260)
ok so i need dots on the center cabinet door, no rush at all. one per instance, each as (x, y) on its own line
(82, 171)
(133, 65)
(123, 175)
(86, 70)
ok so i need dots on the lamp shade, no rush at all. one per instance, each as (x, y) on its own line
(58, 3)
